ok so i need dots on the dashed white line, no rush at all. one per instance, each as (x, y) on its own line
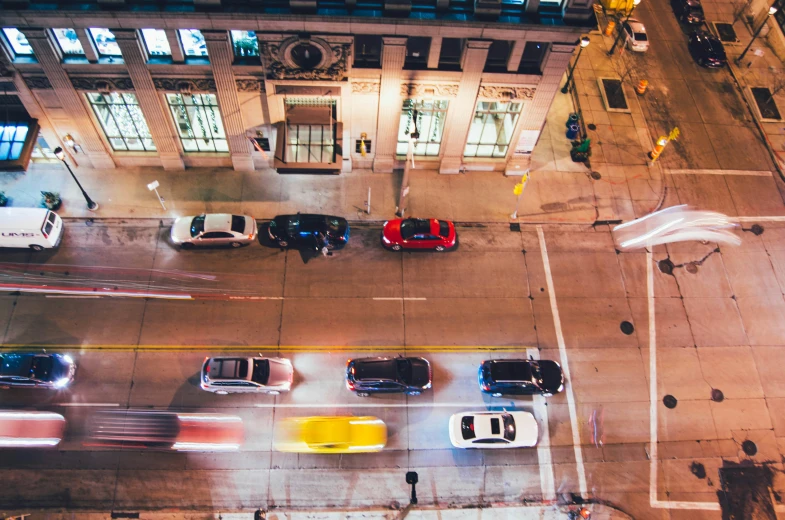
(547, 481)
(576, 437)
(89, 405)
(399, 299)
(467, 406)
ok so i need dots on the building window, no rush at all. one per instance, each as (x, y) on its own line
(430, 116)
(198, 122)
(310, 143)
(417, 49)
(492, 128)
(533, 58)
(17, 41)
(368, 52)
(122, 121)
(245, 44)
(450, 55)
(69, 42)
(193, 42)
(156, 42)
(105, 42)
(498, 53)
(12, 139)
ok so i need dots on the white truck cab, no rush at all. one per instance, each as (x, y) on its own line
(36, 228)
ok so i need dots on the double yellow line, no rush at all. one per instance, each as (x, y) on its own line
(262, 348)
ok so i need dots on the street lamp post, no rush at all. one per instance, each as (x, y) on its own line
(620, 30)
(91, 204)
(584, 43)
(402, 199)
(772, 10)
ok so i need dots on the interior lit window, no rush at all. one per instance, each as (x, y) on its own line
(17, 41)
(198, 121)
(12, 139)
(156, 42)
(105, 42)
(430, 117)
(69, 42)
(491, 130)
(122, 121)
(193, 42)
(245, 43)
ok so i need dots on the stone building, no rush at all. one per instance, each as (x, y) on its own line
(297, 85)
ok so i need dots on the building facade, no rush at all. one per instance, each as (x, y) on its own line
(295, 85)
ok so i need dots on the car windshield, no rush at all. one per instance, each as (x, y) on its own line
(41, 368)
(197, 225)
(641, 37)
(261, 371)
(511, 371)
(467, 428)
(444, 229)
(238, 223)
(334, 225)
(509, 427)
(14, 365)
(404, 368)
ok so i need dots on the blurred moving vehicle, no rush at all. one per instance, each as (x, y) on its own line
(635, 35)
(165, 430)
(230, 375)
(388, 375)
(707, 50)
(493, 430)
(520, 376)
(30, 370)
(688, 11)
(36, 228)
(419, 233)
(25, 429)
(330, 435)
(213, 229)
(307, 230)
(675, 224)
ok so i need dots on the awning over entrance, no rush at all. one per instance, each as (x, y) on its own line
(309, 140)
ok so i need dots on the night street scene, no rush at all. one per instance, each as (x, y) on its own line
(392, 259)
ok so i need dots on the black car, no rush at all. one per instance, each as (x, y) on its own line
(520, 376)
(30, 370)
(707, 50)
(313, 231)
(688, 11)
(388, 375)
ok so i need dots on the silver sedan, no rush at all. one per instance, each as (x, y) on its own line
(229, 375)
(213, 229)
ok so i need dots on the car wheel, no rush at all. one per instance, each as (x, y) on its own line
(222, 392)
(36, 247)
(498, 394)
(415, 392)
(283, 243)
(235, 244)
(274, 392)
(548, 394)
(187, 246)
(396, 247)
(363, 394)
(439, 248)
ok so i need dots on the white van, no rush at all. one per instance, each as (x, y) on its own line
(36, 228)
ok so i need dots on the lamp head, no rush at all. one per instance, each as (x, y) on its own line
(68, 140)
(772, 10)
(585, 41)
(636, 2)
(59, 153)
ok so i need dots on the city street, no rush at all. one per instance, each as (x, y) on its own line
(718, 326)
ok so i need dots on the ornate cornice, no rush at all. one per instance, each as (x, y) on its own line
(499, 92)
(429, 89)
(38, 83)
(102, 84)
(365, 87)
(249, 85)
(278, 62)
(185, 84)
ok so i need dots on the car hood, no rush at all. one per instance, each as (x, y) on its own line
(421, 372)
(181, 229)
(552, 376)
(342, 227)
(280, 372)
(61, 368)
(392, 229)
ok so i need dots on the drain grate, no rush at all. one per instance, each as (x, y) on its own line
(514, 226)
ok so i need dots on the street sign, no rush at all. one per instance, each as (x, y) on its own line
(674, 134)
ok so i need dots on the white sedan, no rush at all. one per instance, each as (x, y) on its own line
(635, 35)
(493, 430)
(213, 229)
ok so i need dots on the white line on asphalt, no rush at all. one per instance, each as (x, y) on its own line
(576, 436)
(468, 406)
(547, 482)
(405, 299)
(758, 219)
(63, 296)
(754, 173)
(256, 297)
(89, 405)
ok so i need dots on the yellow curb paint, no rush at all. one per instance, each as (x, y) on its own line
(282, 348)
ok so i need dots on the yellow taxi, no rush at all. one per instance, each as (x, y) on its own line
(330, 435)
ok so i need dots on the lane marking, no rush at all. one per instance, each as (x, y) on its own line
(89, 405)
(576, 438)
(64, 296)
(465, 406)
(399, 298)
(544, 458)
(774, 218)
(753, 173)
(268, 348)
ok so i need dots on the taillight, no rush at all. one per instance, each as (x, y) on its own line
(207, 367)
(349, 385)
(486, 387)
(471, 426)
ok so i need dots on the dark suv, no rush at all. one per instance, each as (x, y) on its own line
(520, 376)
(388, 375)
(312, 231)
(30, 370)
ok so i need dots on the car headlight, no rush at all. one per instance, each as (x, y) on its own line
(62, 382)
(68, 359)
(385, 239)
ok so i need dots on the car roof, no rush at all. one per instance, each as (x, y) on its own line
(217, 222)
(636, 25)
(229, 368)
(376, 368)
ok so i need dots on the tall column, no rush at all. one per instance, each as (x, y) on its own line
(461, 110)
(81, 126)
(149, 100)
(393, 56)
(220, 53)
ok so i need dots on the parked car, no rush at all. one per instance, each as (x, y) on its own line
(312, 231)
(419, 233)
(30, 370)
(213, 229)
(635, 35)
(493, 430)
(707, 50)
(520, 376)
(388, 375)
(28, 429)
(330, 435)
(688, 11)
(36, 228)
(229, 375)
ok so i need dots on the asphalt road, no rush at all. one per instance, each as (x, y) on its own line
(717, 326)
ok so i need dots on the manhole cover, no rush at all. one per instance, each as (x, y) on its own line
(596, 176)
(717, 396)
(757, 229)
(514, 226)
(749, 448)
(627, 328)
(665, 266)
(691, 268)
(669, 401)
(592, 126)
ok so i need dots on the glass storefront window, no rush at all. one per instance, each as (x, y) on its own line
(105, 42)
(245, 44)
(12, 139)
(198, 121)
(156, 42)
(69, 42)
(492, 128)
(193, 42)
(431, 115)
(309, 143)
(122, 121)
(18, 42)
